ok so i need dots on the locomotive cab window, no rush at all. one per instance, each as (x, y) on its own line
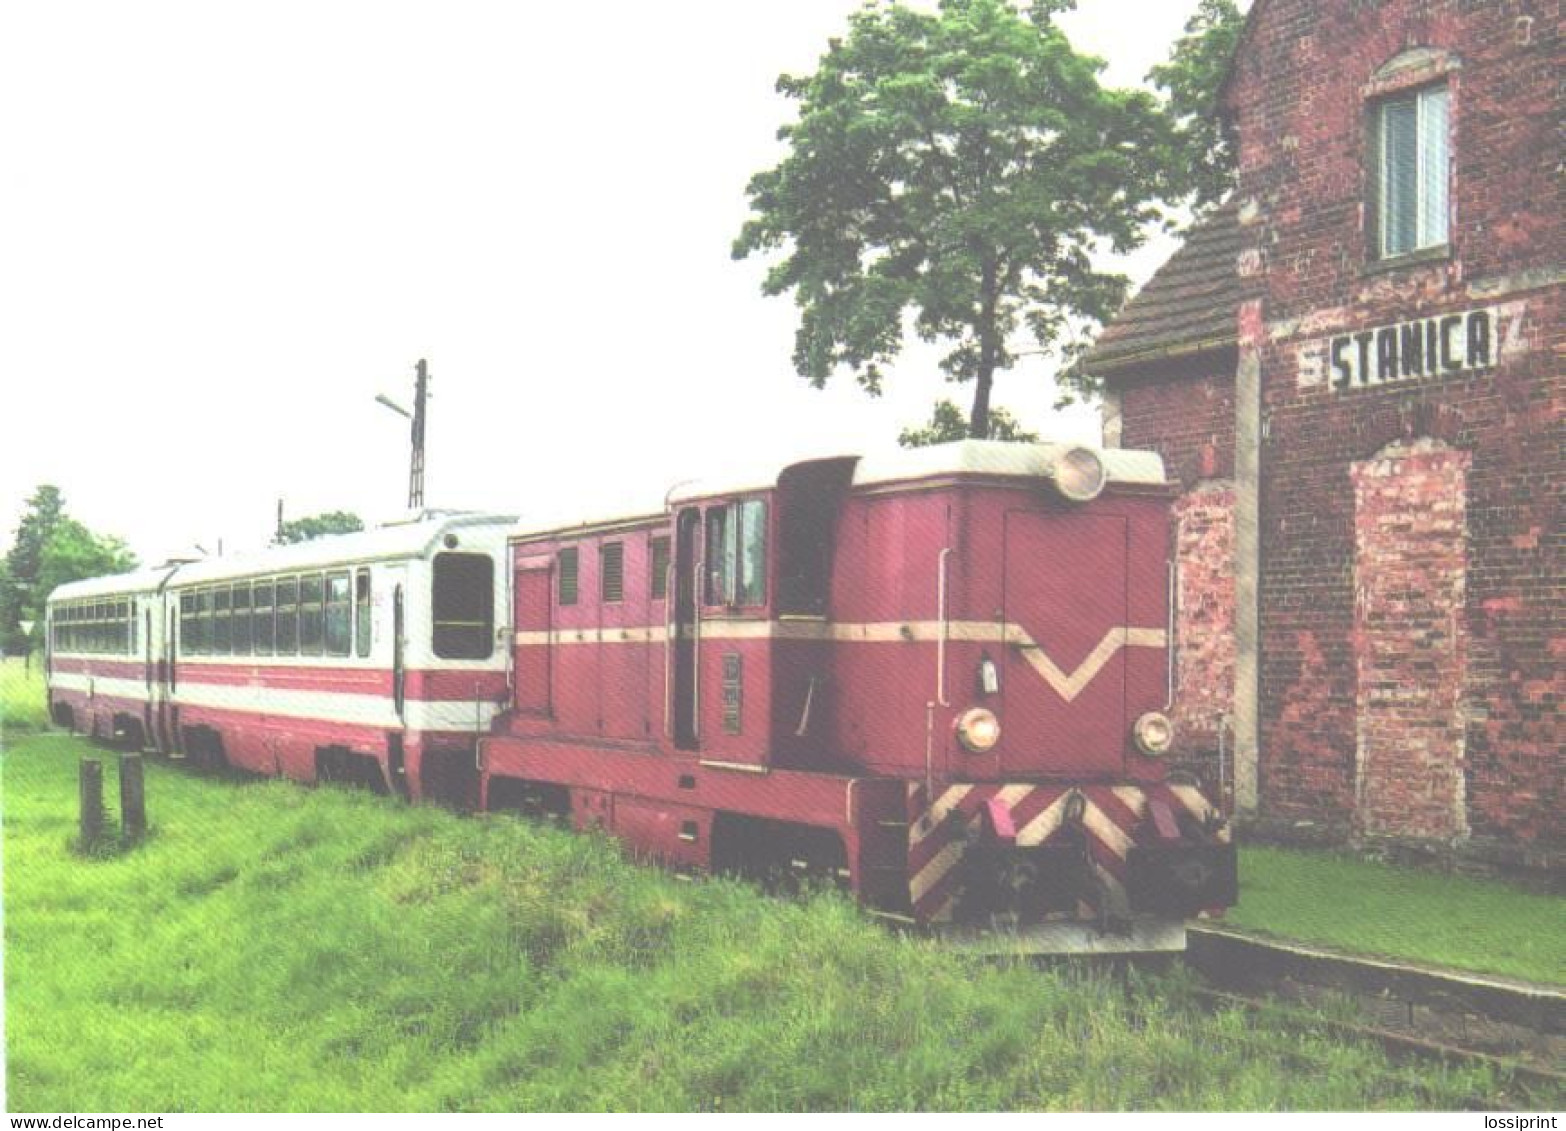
(736, 554)
(463, 603)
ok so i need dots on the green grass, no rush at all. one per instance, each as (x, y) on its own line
(1372, 908)
(22, 704)
(271, 947)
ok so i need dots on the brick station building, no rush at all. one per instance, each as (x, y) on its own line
(1353, 370)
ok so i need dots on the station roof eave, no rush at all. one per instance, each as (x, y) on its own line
(1189, 307)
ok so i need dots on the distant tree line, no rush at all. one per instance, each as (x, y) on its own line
(49, 549)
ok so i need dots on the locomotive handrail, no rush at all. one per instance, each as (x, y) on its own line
(1169, 636)
(696, 575)
(940, 646)
(670, 603)
(804, 718)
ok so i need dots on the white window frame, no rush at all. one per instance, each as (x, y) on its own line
(1432, 147)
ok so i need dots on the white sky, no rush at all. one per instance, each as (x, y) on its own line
(225, 227)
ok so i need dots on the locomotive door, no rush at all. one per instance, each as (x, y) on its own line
(685, 629)
(533, 646)
(1066, 612)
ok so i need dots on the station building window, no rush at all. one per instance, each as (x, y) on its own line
(1410, 169)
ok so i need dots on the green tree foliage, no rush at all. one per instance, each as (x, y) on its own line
(947, 424)
(74, 552)
(1205, 149)
(317, 526)
(50, 548)
(956, 169)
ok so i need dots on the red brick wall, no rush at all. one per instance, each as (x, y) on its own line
(1299, 92)
(1204, 623)
(1410, 569)
(1184, 411)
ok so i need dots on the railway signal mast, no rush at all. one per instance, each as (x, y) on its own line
(416, 460)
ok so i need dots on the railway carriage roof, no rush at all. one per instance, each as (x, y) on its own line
(395, 542)
(117, 584)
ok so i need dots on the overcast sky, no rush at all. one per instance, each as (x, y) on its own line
(225, 227)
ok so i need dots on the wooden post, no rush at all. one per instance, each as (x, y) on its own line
(92, 803)
(133, 798)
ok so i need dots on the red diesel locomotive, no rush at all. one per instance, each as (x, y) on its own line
(937, 676)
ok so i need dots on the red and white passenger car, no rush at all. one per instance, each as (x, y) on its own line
(377, 657)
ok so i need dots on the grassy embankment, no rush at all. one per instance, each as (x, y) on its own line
(22, 706)
(1487, 926)
(272, 947)
(1320, 897)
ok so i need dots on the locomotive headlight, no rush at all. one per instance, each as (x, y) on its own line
(1154, 734)
(1079, 474)
(978, 730)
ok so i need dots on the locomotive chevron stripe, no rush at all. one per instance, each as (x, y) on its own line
(939, 831)
(1191, 800)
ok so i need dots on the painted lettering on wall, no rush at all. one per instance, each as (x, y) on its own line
(1445, 345)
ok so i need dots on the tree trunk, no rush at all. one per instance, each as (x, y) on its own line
(979, 419)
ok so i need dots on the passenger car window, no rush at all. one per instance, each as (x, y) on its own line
(463, 606)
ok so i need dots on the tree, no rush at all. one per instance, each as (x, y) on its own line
(50, 549)
(74, 552)
(959, 169)
(947, 423)
(1205, 149)
(19, 600)
(317, 526)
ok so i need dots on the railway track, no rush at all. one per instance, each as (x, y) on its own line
(1516, 1029)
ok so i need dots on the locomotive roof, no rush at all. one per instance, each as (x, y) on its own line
(396, 541)
(965, 457)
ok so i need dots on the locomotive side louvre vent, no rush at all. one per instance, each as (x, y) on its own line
(658, 584)
(568, 576)
(612, 559)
